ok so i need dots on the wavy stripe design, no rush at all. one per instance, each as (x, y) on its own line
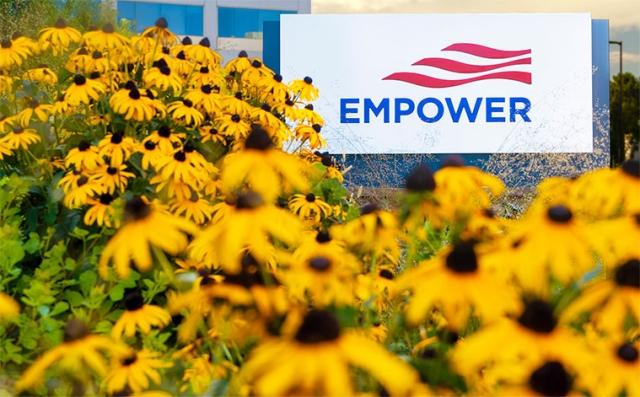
(484, 51)
(461, 67)
(433, 82)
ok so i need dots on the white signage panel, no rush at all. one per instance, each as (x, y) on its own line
(446, 83)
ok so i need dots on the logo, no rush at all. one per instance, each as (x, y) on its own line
(499, 70)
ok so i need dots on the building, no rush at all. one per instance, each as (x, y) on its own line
(230, 25)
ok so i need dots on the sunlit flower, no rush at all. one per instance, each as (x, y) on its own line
(101, 212)
(160, 31)
(309, 207)
(304, 89)
(20, 138)
(184, 112)
(12, 54)
(139, 316)
(105, 39)
(83, 90)
(41, 74)
(160, 76)
(202, 53)
(83, 157)
(112, 178)
(59, 37)
(117, 147)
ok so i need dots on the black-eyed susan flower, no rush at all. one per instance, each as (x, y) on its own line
(160, 76)
(304, 89)
(151, 155)
(101, 212)
(202, 53)
(273, 90)
(12, 54)
(194, 208)
(59, 37)
(112, 178)
(549, 378)
(234, 126)
(133, 371)
(205, 75)
(160, 31)
(209, 133)
(311, 134)
(20, 138)
(235, 105)
(182, 111)
(238, 64)
(615, 240)
(532, 337)
(255, 72)
(34, 109)
(309, 207)
(456, 282)
(253, 225)
(135, 105)
(610, 302)
(41, 74)
(321, 356)
(288, 109)
(80, 353)
(310, 116)
(83, 90)
(80, 191)
(165, 138)
(117, 147)
(105, 39)
(83, 157)
(144, 226)
(263, 169)
(139, 316)
(206, 98)
(177, 168)
(5, 150)
(9, 309)
(617, 370)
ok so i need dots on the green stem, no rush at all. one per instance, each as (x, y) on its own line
(165, 265)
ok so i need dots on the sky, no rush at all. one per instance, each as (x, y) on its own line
(623, 16)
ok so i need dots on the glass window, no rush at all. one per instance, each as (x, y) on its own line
(183, 19)
(241, 22)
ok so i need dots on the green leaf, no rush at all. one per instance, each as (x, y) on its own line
(87, 280)
(74, 298)
(59, 308)
(12, 253)
(116, 293)
(34, 244)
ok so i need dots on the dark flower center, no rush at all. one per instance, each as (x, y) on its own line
(165, 70)
(181, 56)
(166, 50)
(187, 40)
(256, 63)
(631, 168)
(310, 197)
(96, 55)
(489, 213)
(559, 214)
(94, 75)
(235, 118)
(386, 273)
(116, 138)
(288, 102)
(82, 181)
(83, 51)
(83, 146)
(106, 198)
(238, 95)
(60, 23)
(323, 236)
(129, 360)
(551, 379)
(79, 79)
(206, 89)
(258, 139)
(130, 85)
(187, 103)
(628, 274)
(164, 131)
(149, 145)
(318, 326)
(6, 43)
(108, 28)
(74, 330)
(112, 170)
(133, 301)
(134, 94)
(462, 259)
(327, 160)
(627, 352)
(204, 70)
(18, 130)
(369, 208)
(162, 23)
(453, 161)
(248, 200)
(308, 80)
(205, 42)
(309, 106)
(277, 77)
(137, 209)
(242, 54)
(538, 317)
(420, 179)
(320, 263)
(149, 94)
(265, 107)
(316, 127)
(180, 156)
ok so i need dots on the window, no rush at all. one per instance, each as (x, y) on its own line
(239, 22)
(183, 19)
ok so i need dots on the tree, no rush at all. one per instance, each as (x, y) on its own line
(629, 123)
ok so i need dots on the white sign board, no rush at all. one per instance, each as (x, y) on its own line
(446, 83)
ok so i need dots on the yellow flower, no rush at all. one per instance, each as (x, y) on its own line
(195, 209)
(239, 64)
(458, 284)
(235, 105)
(8, 307)
(255, 72)
(232, 125)
(79, 353)
(210, 133)
(161, 76)
(304, 89)
(617, 370)
(273, 89)
(139, 316)
(616, 239)
(34, 108)
(263, 169)
(610, 301)
(5, 150)
(105, 39)
(101, 212)
(83, 90)
(251, 225)
(161, 33)
(80, 192)
(59, 37)
(144, 226)
(20, 138)
(165, 139)
(133, 371)
(206, 99)
(151, 155)
(202, 53)
(310, 116)
(41, 74)
(12, 54)
(309, 207)
(83, 157)
(178, 168)
(205, 75)
(112, 178)
(311, 134)
(184, 112)
(134, 105)
(318, 361)
(117, 147)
